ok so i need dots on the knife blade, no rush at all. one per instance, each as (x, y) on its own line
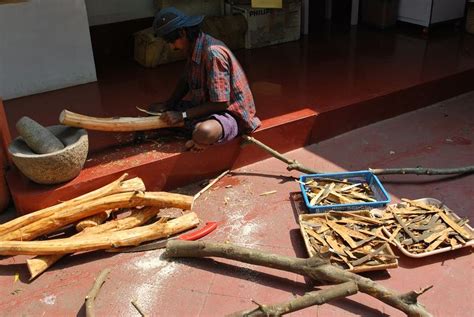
(195, 235)
(153, 113)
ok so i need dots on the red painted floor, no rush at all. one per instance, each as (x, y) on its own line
(438, 136)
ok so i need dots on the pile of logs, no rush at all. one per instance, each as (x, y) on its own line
(323, 192)
(351, 241)
(90, 213)
(420, 228)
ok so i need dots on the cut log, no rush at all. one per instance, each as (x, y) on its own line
(122, 200)
(116, 124)
(118, 186)
(39, 264)
(101, 241)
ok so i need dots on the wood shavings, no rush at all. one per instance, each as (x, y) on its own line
(268, 193)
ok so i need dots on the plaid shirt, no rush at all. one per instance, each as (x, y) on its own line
(215, 75)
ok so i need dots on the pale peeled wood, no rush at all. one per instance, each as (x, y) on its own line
(93, 221)
(101, 241)
(117, 124)
(118, 186)
(39, 264)
(122, 200)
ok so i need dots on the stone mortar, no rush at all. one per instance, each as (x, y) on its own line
(56, 167)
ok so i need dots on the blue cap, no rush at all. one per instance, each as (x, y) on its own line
(170, 19)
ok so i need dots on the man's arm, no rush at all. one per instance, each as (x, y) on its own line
(179, 92)
(206, 108)
(202, 110)
(182, 88)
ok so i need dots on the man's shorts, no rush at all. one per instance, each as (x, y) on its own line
(230, 127)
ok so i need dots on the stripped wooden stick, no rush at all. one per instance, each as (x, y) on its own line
(90, 297)
(215, 180)
(122, 200)
(118, 186)
(116, 124)
(101, 241)
(39, 264)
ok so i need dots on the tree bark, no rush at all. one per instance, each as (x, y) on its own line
(117, 124)
(90, 297)
(67, 215)
(39, 264)
(307, 300)
(118, 186)
(314, 267)
(101, 241)
(423, 171)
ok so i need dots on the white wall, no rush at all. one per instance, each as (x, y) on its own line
(110, 11)
(419, 11)
(44, 45)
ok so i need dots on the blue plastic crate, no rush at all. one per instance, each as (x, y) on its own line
(354, 177)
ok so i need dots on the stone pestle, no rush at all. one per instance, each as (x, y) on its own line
(37, 137)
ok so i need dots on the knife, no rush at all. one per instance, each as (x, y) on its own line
(195, 235)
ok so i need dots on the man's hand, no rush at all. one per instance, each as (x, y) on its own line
(172, 117)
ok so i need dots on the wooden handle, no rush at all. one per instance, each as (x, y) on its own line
(116, 124)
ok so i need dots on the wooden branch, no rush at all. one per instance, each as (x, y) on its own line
(307, 300)
(313, 267)
(292, 164)
(424, 171)
(118, 186)
(101, 241)
(295, 165)
(215, 180)
(140, 311)
(116, 124)
(39, 264)
(90, 297)
(89, 208)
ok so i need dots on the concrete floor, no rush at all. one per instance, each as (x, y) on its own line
(438, 136)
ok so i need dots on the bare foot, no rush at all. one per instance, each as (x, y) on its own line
(192, 146)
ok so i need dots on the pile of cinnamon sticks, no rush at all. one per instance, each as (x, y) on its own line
(90, 213)
(359, 241)
(351, 241)
(323, 192)
(420, 228)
